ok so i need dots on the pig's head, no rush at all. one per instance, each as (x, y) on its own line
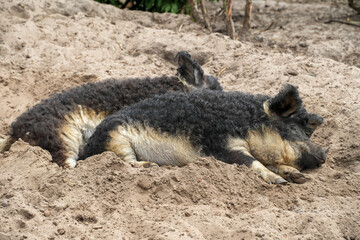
(296, 126)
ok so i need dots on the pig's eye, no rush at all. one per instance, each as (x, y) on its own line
(306, 120)
(303, 121)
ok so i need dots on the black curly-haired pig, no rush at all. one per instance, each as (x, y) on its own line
(62, 123)
(270, 135)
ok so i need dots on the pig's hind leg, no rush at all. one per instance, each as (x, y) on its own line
(147, 146)
(120, 143)
(77, 128)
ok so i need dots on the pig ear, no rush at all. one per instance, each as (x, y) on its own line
(285, 103)
(189, 70)
(315, 120)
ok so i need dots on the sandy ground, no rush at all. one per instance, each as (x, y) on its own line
(47, 46)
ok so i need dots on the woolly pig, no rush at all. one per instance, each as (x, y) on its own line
(268, 134)
(62, 123)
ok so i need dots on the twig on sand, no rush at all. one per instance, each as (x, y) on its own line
(221, 71)
(348, 22)
(180, 28)
(268, 27)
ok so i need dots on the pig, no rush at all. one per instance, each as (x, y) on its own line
(270, 135)
(62, 123)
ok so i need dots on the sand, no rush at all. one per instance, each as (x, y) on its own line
(48, 46)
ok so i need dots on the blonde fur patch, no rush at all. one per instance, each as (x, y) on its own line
(142, 143)
(267, 175)
(268, 147)
(238, 144)
(79, 125)
(267, 109)
(5, 144)
(182, 80)
(244, 146)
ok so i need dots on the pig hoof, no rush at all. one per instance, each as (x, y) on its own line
(70, 163)
(297, 177)
(144, 164)
(273, 178)
(150, 165)
(281, 181)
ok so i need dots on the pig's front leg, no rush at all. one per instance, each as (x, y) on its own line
(244, 157)
(289, 173)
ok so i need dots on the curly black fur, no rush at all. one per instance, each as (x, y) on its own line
(40, 125)
(208, 117)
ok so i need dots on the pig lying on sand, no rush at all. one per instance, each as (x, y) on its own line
(270, 135)
(62, 123)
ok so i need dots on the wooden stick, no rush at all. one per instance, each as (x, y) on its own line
(268, 27)
(205, 16)
(247, 18)
(229, 22)
(194, 11)
(348, 22)
(221, 71)
(125, 5)
(352, 5)
(180, 28)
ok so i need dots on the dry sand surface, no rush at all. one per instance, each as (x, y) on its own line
(47, 46)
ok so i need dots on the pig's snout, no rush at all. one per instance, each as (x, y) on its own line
(322, 156)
